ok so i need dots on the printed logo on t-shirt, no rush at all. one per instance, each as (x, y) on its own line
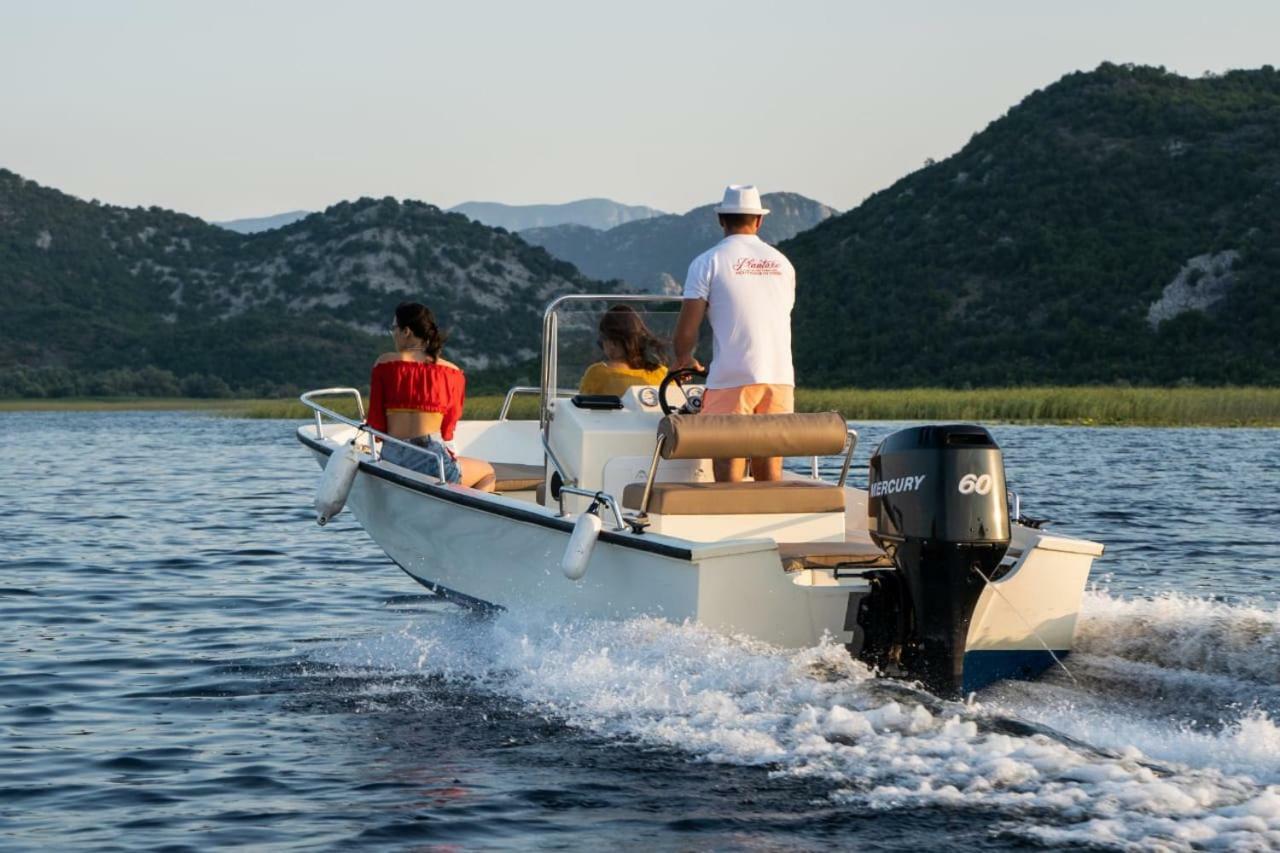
(756, 266)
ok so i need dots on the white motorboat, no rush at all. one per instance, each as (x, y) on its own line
(606, 507)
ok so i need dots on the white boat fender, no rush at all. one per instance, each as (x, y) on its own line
(335, 482)
(583, 541)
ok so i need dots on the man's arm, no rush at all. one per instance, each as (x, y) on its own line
(685, 338)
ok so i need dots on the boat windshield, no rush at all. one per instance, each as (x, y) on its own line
(580, 327)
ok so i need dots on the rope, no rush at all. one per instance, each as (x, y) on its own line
(1018, 613)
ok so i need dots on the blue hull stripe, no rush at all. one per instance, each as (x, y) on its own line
(986, 667)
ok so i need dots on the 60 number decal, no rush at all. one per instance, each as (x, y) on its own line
(975, 484)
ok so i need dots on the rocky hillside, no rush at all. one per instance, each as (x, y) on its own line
(87, 289)
(1122, 225)
(599, 213)
(654, 254)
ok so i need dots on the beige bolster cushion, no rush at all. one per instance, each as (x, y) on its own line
(737, 436)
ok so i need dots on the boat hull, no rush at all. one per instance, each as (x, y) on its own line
(489, 551)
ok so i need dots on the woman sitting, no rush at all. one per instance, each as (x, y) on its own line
(632, 355)
(415, 395)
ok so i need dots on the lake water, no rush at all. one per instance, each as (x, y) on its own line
(187, 661)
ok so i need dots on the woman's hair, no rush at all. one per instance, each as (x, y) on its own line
(418, 319)
(643, 350)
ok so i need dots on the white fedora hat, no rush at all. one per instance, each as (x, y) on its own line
(741, 198)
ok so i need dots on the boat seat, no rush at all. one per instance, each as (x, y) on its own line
(736, 436)
(748, 498)
(796, 556)
(514, 477)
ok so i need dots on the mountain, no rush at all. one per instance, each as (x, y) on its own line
(1120, 226)
(654, 254)
(597, 213)
(263, 223)
(91, 295)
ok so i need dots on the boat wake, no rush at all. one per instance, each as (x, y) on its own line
(1159, 741)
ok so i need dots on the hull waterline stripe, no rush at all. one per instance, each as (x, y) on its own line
(461, 599)
(448, 495)
(985, 667)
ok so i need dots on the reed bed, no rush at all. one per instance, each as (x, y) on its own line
(1102, 406)
(1109, 406)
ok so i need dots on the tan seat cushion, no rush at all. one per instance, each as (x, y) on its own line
(737, 498)
(734, 436)
(828, 555)
(513, 477)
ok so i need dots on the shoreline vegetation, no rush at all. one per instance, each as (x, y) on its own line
(1082, 406)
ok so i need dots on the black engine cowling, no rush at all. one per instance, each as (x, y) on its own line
(937, 506)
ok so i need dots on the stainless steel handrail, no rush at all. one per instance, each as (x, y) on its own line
(362, 427)
(603, 497)
(555, 463)
(518, 389)
(528, 389)
(330, 392)
(848, 456)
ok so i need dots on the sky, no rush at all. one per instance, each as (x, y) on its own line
(234, 109)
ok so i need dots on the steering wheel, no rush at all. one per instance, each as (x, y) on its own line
(692, 396)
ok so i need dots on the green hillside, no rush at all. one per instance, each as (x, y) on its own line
(100, 300)
(1036, 253)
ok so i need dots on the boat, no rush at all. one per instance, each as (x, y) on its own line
(605, 507)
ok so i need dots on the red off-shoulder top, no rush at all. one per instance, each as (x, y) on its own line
(416, 386)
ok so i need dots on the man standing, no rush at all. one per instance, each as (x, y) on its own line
(746, 288)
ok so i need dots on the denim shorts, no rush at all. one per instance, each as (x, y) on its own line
(424, 463)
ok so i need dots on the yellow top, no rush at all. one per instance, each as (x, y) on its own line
(600, 378)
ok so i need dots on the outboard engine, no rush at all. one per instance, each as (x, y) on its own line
(937, 506)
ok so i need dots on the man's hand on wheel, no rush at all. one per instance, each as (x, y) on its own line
(688, 362)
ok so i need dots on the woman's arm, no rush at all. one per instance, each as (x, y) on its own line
(453, 411)
(377, 414)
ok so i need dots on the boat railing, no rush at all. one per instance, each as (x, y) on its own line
(528, 389)
(603, 497)
(321, 412)
(555, 462)
(848, 456)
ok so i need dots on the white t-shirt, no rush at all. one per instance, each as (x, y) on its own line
(750, 288)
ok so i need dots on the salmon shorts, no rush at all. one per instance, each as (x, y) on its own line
(749, 400)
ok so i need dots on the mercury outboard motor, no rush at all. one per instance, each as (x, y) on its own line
(937, 507)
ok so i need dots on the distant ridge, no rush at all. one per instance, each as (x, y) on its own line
(654, 254)
(253, 225)
(598, 213)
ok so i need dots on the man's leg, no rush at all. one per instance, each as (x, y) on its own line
(729, 470)
(766, 468)
(729, 401)
(775, 400)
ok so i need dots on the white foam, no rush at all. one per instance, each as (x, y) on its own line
(1182, 632)
(816, 713)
